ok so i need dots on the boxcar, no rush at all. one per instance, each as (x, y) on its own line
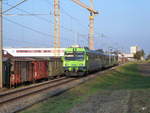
(40, 69)
(28, 70)
(55, 67)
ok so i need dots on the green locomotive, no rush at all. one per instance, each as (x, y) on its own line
(80, 61)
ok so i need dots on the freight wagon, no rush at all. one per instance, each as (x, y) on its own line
(55, 67)
(28, 70)
(6, 72)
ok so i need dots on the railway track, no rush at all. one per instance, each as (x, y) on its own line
(19, 99)
(7, 92)
(7, 97)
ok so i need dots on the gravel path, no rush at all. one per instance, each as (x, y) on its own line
(104, 102)
(144, 69)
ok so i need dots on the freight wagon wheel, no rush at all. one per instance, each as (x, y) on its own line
(33, 81)
(15, 85)
(46, 79)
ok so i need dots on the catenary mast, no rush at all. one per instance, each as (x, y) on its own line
(56, 24)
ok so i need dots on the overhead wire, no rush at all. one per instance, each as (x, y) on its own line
(78, 39)
(24, 11)
(41, 18)
(10, 39)
(68, 29)
(81, 23)
(37, 16)
(46, 1)
(14, 6)
(29, 28)
(74, 18)
(82, 40)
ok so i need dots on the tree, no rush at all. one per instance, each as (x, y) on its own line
(116, 52)
(138, 55)
(148, 57)
(100, 50)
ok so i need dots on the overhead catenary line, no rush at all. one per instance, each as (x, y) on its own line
(73, 18)
(66, 13)
(41, 18)
(36, 16)
(29, 28)
(25, 14)
(10, 39)
(49, 3)
(14, 6)
(76, 34)
(91, 24)
(81, 23)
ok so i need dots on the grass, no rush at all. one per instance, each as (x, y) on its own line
(126, 77)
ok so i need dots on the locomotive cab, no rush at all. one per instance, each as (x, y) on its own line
(74, 62)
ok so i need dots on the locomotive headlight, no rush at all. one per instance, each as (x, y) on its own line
(81, 64)
(66, 64)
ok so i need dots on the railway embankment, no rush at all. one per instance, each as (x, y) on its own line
(125, 89)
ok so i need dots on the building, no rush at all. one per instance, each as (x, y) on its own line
(134, 49)
(35, 52)
(123, 57)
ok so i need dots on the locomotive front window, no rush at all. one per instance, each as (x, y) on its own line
(74, 56)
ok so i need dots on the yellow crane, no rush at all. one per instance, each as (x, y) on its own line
(91, 19)
(85, 6)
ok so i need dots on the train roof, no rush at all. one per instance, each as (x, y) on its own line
(80, 49)
(100, 53)
(85, 49)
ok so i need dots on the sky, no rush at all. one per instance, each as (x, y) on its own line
(119, 24)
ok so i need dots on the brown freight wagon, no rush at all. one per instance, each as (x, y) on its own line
(52, 67)
(32, 69)
(40, 70)
(21, 71)
(25, 70)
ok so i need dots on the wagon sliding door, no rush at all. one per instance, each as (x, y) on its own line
(23, 72)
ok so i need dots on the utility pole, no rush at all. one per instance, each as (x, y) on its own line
(91, 27)
(1, 44)
(56, 24)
